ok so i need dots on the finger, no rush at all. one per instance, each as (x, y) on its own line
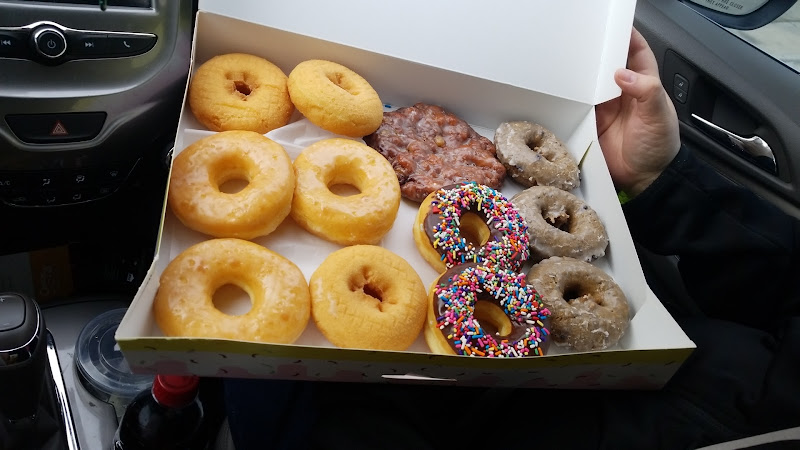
(646, 89)
(640, 56)
(605, 113)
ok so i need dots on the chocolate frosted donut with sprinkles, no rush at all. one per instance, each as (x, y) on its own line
(470, 223)
(489, 312)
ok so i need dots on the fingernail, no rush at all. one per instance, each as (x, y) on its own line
(626, 76)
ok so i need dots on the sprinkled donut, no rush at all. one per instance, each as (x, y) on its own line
(490, 312)
(589, 310)
(534, 156)
(470, 222)
(560, 224)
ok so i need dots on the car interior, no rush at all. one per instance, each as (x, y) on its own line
(85, 154)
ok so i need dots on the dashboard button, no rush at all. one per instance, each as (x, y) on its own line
(13, 44)
(49, 42)
(87, 45)
(56, 128)
(120, 44)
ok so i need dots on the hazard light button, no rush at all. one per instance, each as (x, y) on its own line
(56, 128)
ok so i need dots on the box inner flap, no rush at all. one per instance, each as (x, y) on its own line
(568, 49)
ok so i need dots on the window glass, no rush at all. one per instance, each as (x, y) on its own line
(779, 38)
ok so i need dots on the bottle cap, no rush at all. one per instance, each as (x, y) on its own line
(175, 391)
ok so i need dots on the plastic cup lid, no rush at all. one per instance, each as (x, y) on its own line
(100, 363)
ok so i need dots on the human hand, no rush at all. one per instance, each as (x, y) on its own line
(638, 131)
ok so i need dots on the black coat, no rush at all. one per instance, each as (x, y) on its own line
(739, 259)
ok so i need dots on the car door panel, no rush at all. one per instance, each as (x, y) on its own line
(714, 76)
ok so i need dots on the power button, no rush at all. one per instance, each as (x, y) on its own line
(49, 42)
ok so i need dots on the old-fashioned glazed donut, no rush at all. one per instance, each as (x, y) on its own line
(470, 222)
(475, 310)
(534, 156)
(589, 310)
(335, 98)
(361, 218)
(201, 169)
(430, 147)
(367, 297)
(238, 91)
(184, 303)
(560, 224)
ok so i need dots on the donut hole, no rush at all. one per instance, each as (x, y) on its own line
(557, 218)
(342, 82)
(362, 283)
(232, 300)
(580, 296)
(474, 229)
(492, 318)
(232, 175)
(343, 184)
(242, 87)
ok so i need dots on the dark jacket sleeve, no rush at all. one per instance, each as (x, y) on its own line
(738, 254)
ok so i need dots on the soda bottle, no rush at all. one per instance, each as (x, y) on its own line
(168, 416)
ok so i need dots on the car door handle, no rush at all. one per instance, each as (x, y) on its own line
(754, 146)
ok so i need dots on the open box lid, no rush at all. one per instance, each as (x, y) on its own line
(565, 48)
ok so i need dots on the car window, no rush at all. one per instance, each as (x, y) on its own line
(779, 38)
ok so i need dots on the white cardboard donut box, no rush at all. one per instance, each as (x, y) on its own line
(548, 62)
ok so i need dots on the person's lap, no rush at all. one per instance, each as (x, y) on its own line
(718, 395)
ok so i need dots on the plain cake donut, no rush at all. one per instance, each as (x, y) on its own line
(367, 297)
(202, 169)
(362, 218)
(281, 304)
(476, 310)
(335, 98)
(534, 156)
(589, 310)
(560, 224)
(238, 91)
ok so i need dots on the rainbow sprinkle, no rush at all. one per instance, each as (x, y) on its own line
(456, 299)
(451, 203)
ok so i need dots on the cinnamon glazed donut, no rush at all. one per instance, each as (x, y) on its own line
(560, 224)
(430, 148)
(184, 304)
(367, 297)
(490, 312)
(238, 91)
(470, 223)
(534, 156)
(589, 310)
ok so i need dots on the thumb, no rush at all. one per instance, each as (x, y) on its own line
(644, 88)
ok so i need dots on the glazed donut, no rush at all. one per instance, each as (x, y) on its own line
(335, 98)
(560, 224)
(534, 156)
(200, 170)
(362, 218)
(281, 303)
(470, 222)
(479, 311)
(367, 297)
(589, 310)
(237, 91)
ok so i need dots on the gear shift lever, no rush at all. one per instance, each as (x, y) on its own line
(23, 357)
